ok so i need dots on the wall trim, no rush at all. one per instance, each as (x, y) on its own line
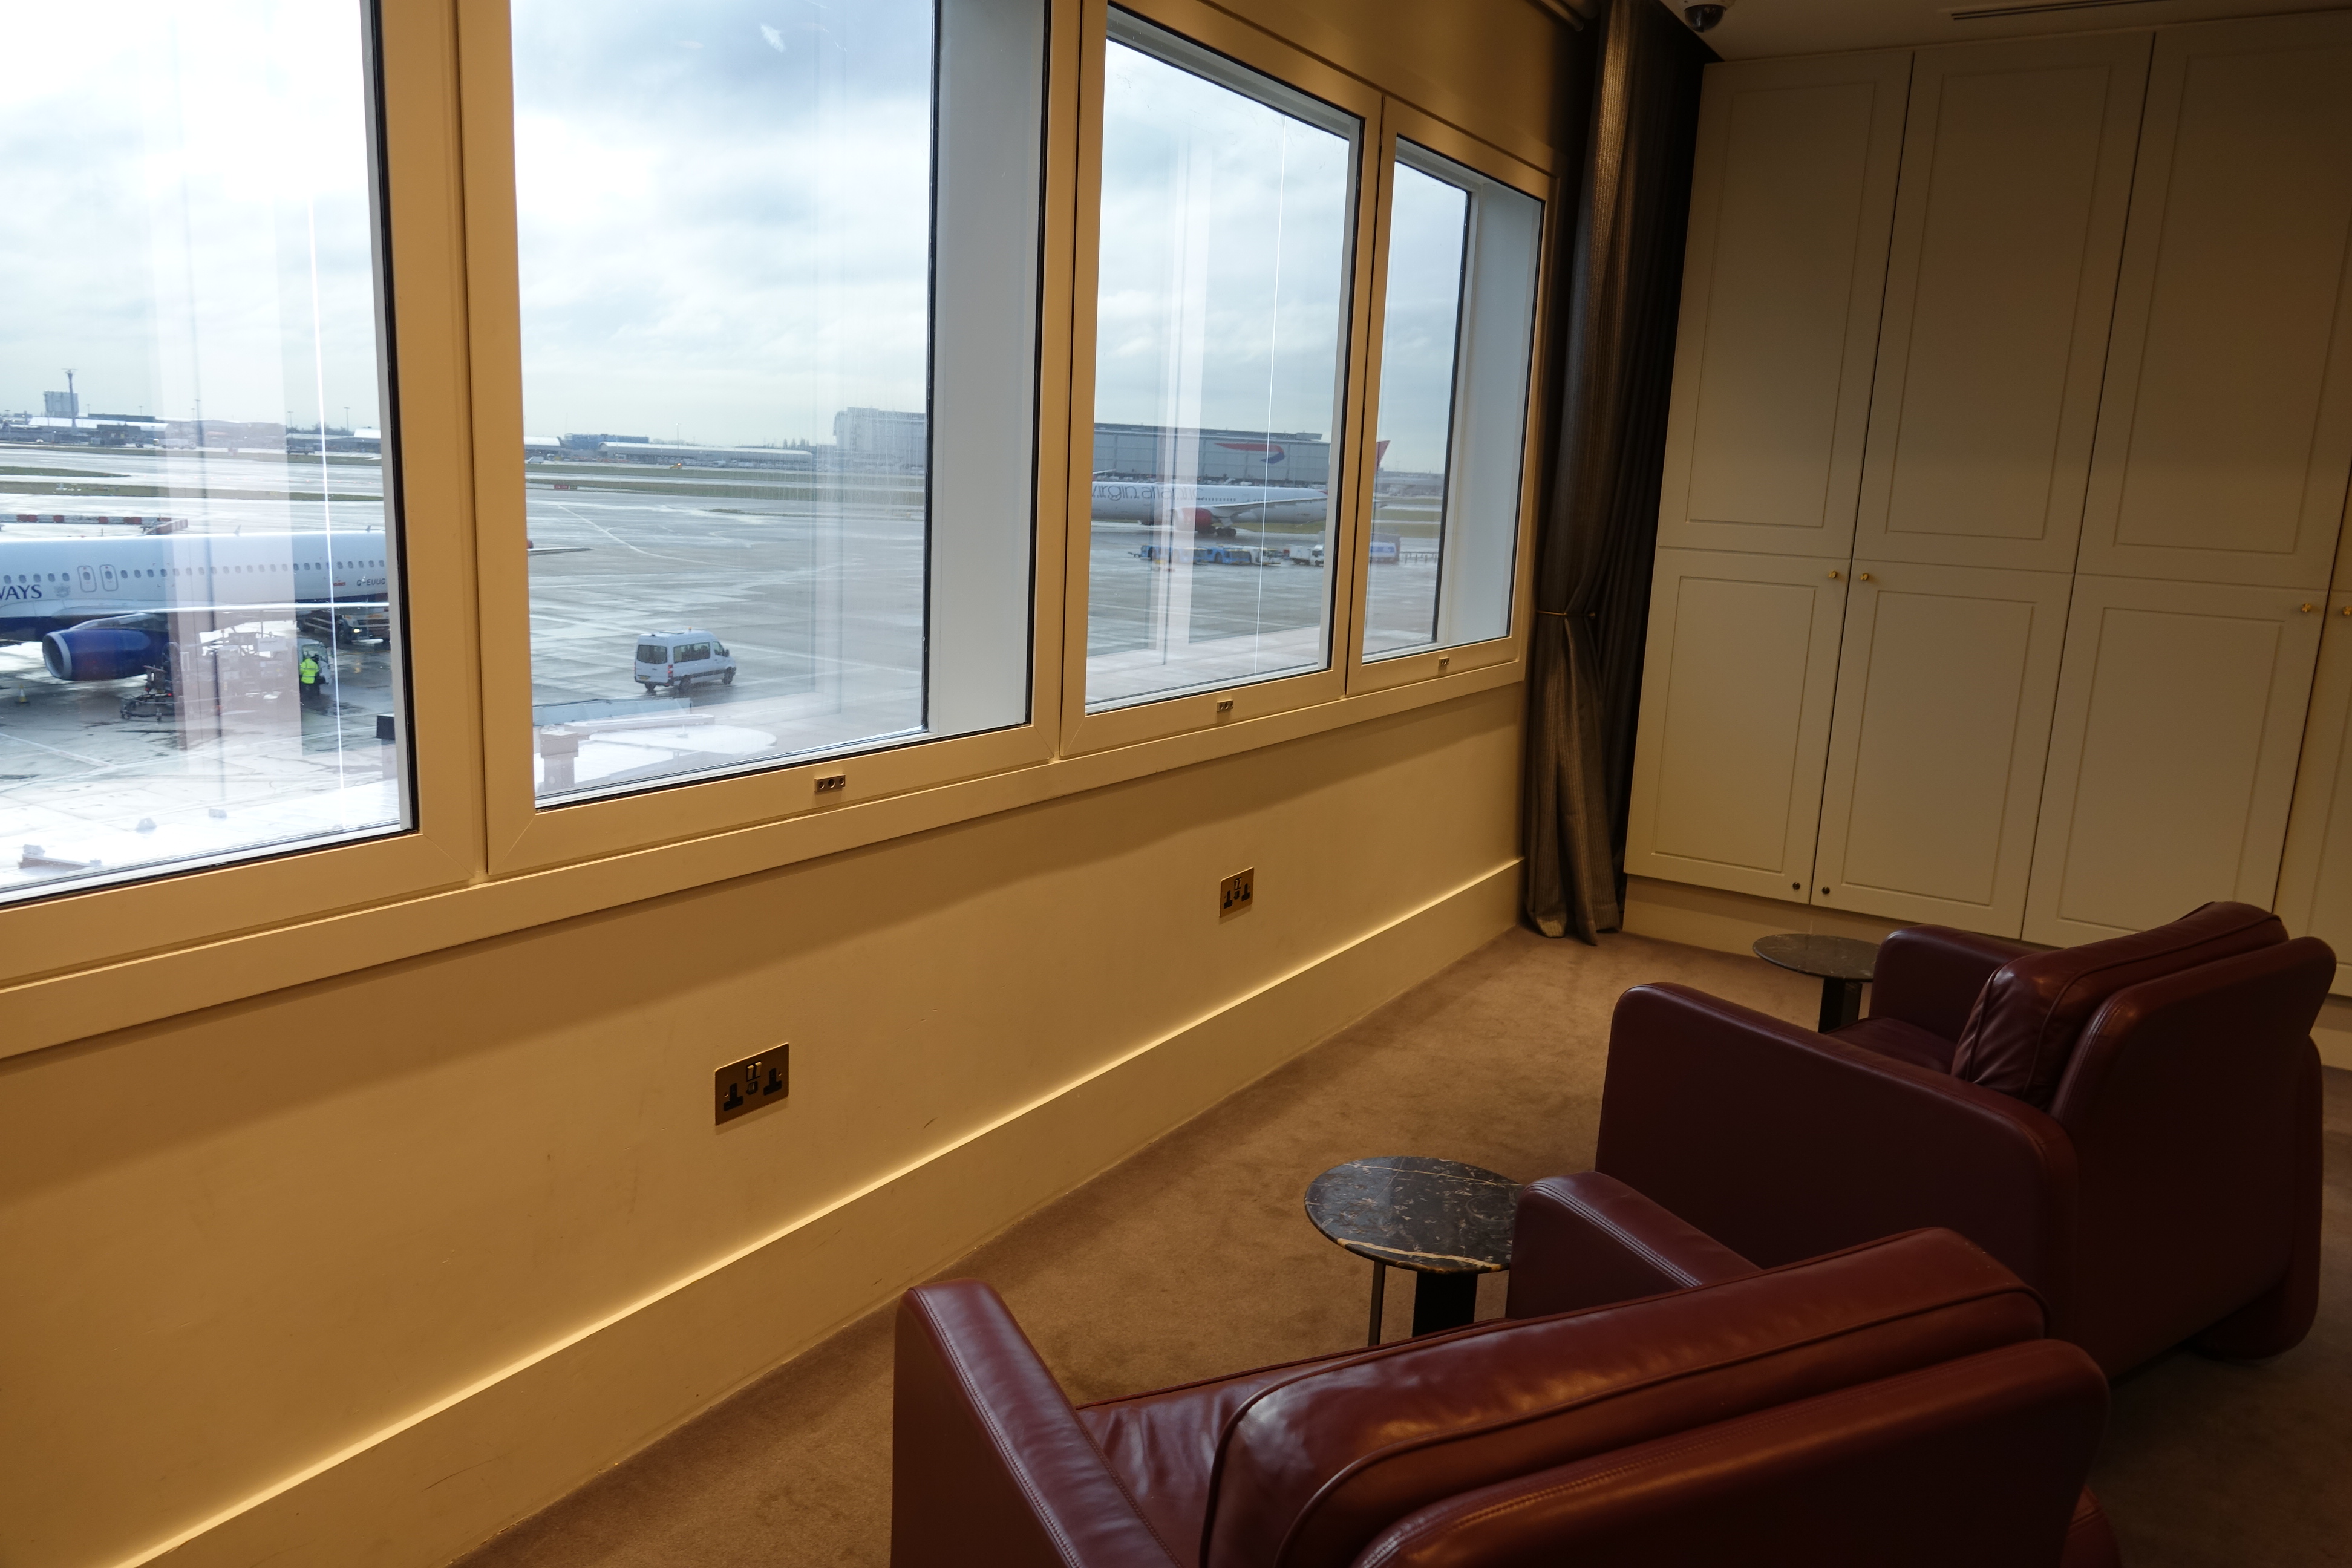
(1724, 921)
(441, 1480)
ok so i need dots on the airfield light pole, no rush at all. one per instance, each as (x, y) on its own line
(73, 404)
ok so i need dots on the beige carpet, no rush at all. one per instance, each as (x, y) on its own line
(1194, 1258)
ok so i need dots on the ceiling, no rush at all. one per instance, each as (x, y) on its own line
(1757, 29)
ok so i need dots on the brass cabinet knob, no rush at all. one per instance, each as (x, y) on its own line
(1862, 576)
(1834, 576)
(2307, 609)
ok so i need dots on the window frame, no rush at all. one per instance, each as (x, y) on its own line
(1402, 121)
(1160, 717)
(469, 870)
(423, 248)
(525, 835)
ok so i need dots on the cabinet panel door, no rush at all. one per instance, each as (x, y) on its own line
(2172, 755)
(2009, 223)
(2225, 430)
(1741, 664)
(2315, 877)
(1783, 275)
(1945, 687)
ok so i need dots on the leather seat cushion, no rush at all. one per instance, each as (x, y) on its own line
(1904, 1042)
(2023, 1032)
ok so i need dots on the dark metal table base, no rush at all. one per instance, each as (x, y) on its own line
(1440, 1301)
(1840, 1003)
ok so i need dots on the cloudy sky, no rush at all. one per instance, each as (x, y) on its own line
(725, 214)
(1225, 256)
(185, 215)
(1428, 226)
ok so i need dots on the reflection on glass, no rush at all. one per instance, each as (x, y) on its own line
(726, 220)
(199, 648)
(1420, 344)
(1217, 373)
(1459, 329)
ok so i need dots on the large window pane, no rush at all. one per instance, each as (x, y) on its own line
(1219, 364)
(779, 476)
(200, 653)
(1456, 331)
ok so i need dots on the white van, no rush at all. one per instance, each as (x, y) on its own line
(678, 659)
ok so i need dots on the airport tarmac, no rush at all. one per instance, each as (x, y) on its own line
(815, 584)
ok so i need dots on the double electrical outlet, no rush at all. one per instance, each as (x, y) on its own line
(1235, 893)
(741, 1087)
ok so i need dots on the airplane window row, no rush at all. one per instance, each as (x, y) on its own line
(779, 347)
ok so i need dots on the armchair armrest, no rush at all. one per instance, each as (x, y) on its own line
(1782, 1144)
(989, 1463)
(1587, 1240)
(1929, 975)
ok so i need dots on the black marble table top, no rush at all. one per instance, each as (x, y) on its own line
(1827, 957)
(1434, 1216)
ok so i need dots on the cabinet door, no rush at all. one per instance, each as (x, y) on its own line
(1945, 687)
(2017, 165)
(1740, 665)
(2172, 755)
(1785, 269)
(2225, 431)
(2315, 878)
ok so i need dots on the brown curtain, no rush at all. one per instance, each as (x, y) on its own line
(1620, 293)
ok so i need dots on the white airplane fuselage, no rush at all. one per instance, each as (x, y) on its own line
(49, 585)
(1203, 506)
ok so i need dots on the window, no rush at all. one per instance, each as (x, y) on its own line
(190, 228)
(1221, 328)
(755, 406)
(1456, 333)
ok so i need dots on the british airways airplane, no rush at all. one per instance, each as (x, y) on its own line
(1214, 509)
(103, 609)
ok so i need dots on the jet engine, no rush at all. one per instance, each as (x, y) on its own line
(103, 653)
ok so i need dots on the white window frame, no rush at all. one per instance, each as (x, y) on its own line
(1184, 714)
(483, 860)
(1401, 120)
(525, 835)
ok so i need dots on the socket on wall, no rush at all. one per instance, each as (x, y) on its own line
(741, 1087)
(1235, 893)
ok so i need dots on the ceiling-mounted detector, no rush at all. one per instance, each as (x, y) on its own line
(1702, 17)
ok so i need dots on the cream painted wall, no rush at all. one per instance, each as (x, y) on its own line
(467, 1213)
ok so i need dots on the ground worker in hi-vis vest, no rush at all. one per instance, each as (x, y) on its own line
(308, 672)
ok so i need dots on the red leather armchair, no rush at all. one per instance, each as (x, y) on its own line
(1893, 1403)
(2133, 1126)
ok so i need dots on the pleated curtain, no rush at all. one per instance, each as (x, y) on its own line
(1620, 293)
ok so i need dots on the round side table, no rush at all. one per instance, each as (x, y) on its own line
(1843, 964)
(1446, 1221)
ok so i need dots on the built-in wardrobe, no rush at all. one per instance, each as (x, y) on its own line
(1997, 579)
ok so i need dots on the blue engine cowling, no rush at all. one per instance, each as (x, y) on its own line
(103, 653)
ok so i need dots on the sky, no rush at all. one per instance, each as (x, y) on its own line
(183, 210)
(724, 212)
(1428, 228)
(1225, 253)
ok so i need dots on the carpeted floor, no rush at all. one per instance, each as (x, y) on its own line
(1194, 1258)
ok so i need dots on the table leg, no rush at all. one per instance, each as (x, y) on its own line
(1380, 1297)
(1441, 1301)
(1840, 1003)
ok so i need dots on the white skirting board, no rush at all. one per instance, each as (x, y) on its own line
(431, 1486)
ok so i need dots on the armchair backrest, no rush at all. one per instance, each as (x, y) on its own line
(2027, 1022)
(2181, 1103)
(1314, 1467)
(1954, 1466)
